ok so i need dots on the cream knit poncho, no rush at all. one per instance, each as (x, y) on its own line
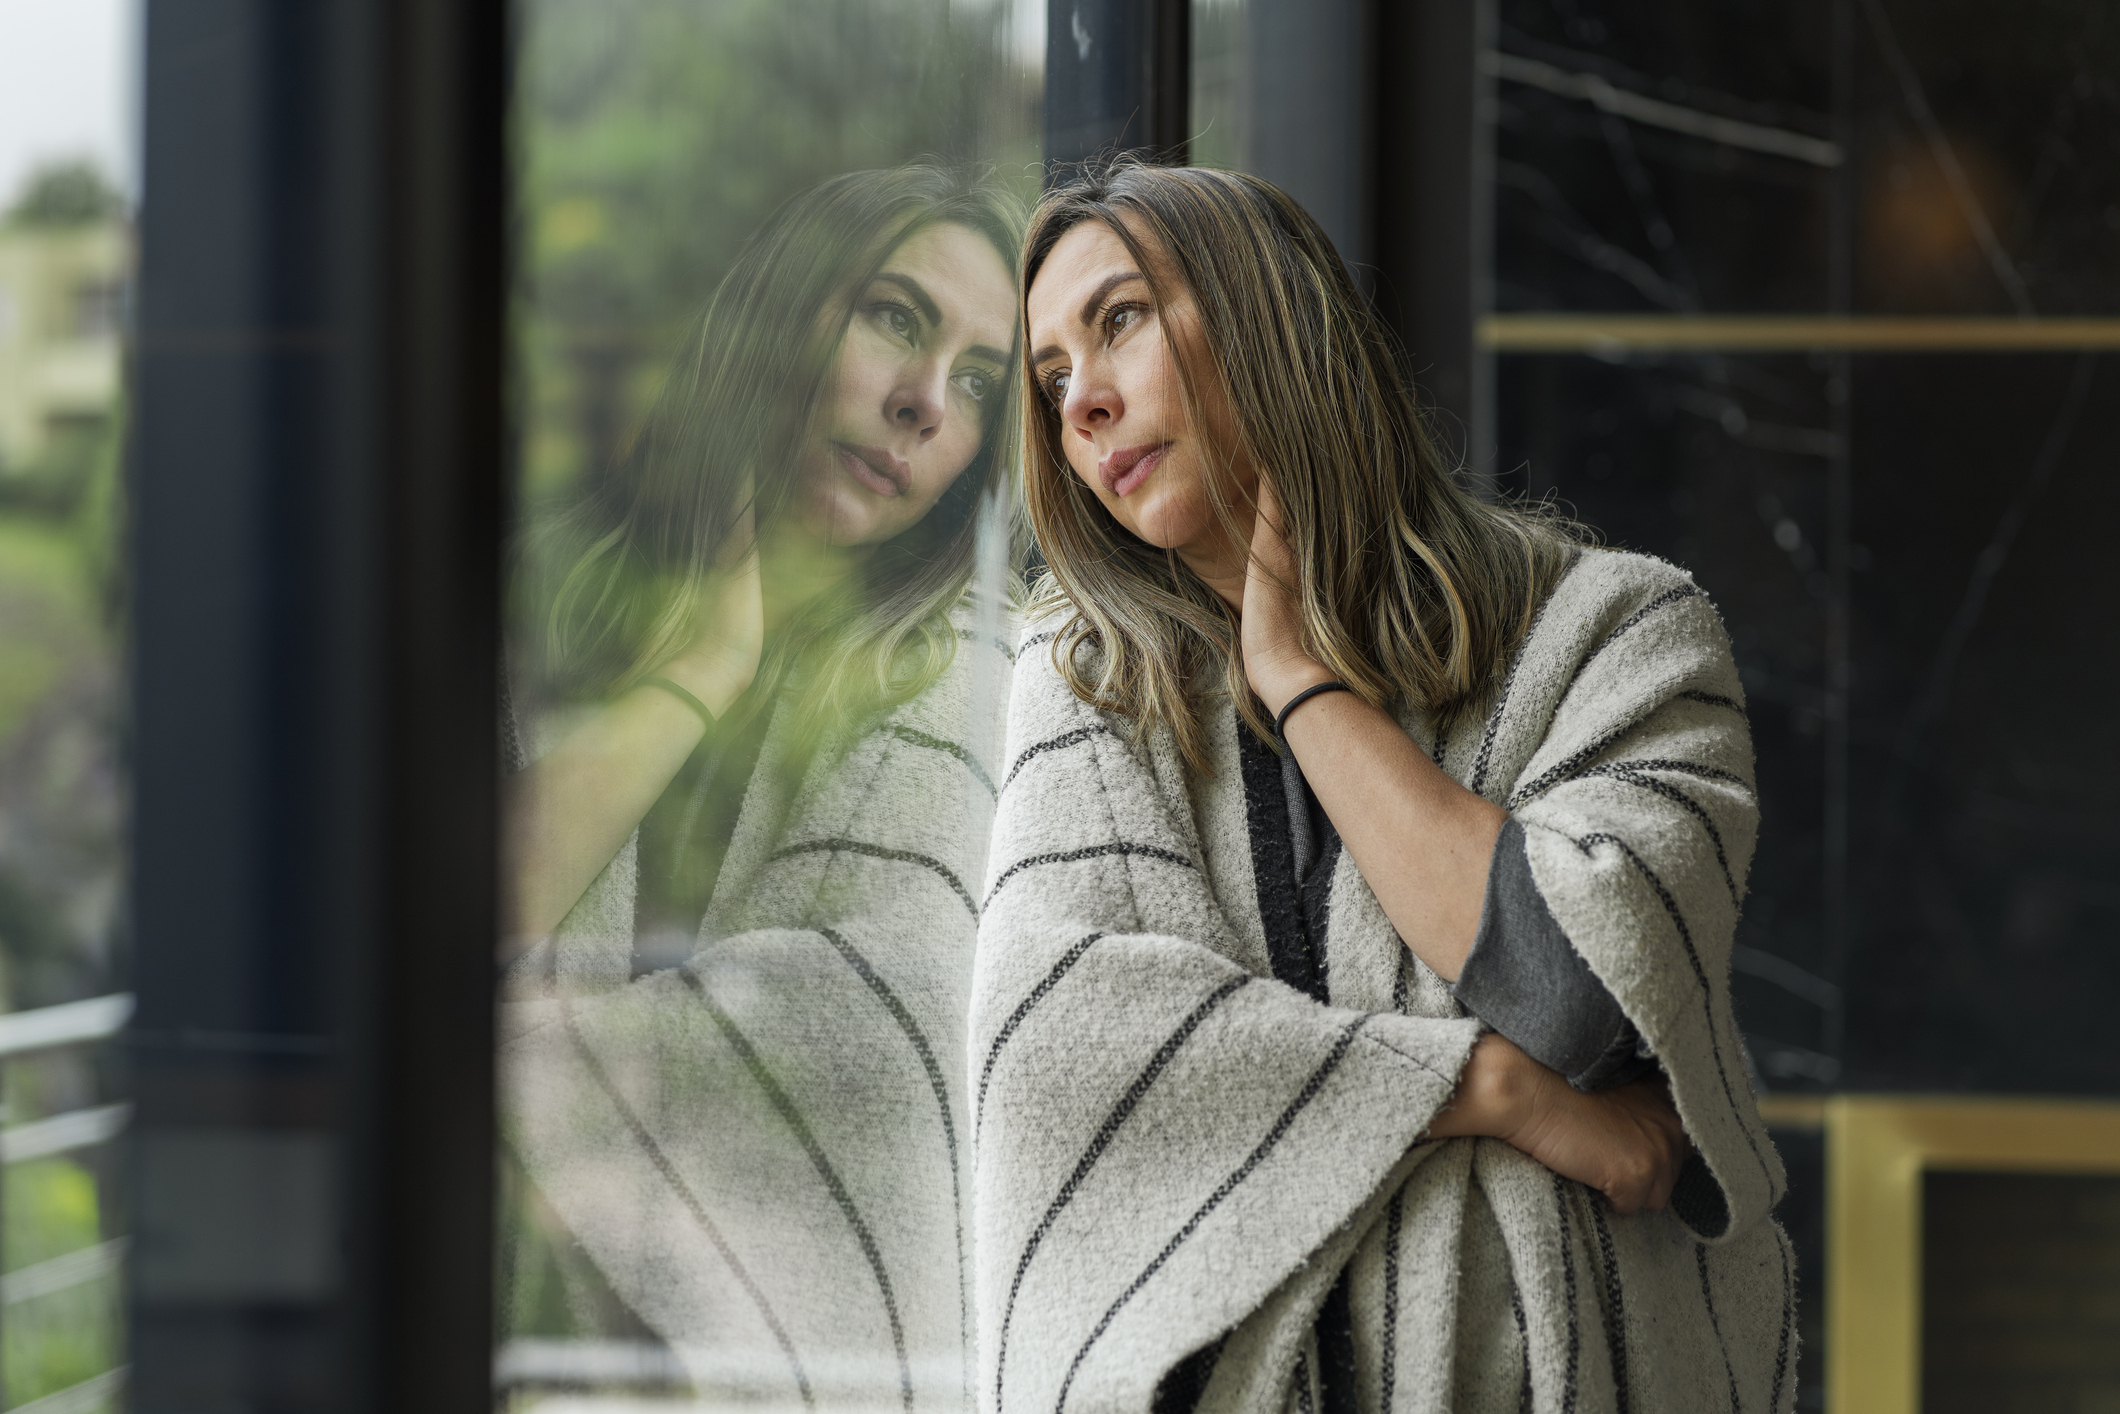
(1176, 1156)
(764, 1149)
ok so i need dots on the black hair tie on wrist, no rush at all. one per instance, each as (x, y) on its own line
(1280, 723)
(706, 718)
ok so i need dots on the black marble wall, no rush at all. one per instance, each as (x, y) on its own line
(1912, 547)
(1909, 546)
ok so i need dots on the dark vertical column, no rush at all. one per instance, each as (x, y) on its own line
(1423, 105)
(316, 511)
(1116, 78)
(1313, 123)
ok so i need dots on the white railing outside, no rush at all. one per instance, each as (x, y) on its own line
(25, 1033)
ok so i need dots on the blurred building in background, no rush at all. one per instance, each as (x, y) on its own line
(66, 261)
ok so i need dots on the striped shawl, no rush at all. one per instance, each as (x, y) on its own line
(1178, 1156)
(764, 1149)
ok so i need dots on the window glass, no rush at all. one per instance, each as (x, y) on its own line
(766, 335)
(68, 159)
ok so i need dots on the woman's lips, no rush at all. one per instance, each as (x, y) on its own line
(1123, 471)
(875, 468)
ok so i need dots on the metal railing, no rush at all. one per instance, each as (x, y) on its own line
(25, 1033)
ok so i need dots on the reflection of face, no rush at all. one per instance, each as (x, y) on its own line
(1104, 363)
(916, 383)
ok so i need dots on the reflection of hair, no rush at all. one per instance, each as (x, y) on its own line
(1411, 589)
(627, 555)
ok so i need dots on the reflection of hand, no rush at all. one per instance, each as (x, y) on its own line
(1627, 1142)
(728, 614)
(1271, 634)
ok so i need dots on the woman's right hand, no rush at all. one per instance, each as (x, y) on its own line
(1627, 1142)
(721, 661)
(573, 808)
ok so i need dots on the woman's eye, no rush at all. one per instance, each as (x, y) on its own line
(975, 384)
(1124, 319)
(1056, 386)
(898, 319)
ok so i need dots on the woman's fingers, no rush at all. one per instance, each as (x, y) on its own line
(1652, 1146)
(1627, 1143)
(1269, 540)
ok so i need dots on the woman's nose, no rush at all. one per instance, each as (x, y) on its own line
(1091, 401)
(917, 403)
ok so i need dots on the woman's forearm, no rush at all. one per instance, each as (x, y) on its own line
(1422, 841)
(1627, 1143)
(572, 809)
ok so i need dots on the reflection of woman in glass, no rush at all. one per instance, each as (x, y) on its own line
(1317, 764)
(733, 1064)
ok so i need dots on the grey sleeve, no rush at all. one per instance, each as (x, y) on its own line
(1526, 980)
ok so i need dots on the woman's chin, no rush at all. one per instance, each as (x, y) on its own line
(1169, 522)
(842, 516)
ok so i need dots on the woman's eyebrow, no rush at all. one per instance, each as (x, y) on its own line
(1088, 315)
(989, 353)
(916, 292)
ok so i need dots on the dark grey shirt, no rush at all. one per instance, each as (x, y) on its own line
(1523, 977)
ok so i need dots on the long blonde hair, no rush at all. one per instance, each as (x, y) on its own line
(1412, 590)
(615, 570)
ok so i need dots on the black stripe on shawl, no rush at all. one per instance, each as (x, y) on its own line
(1334, 1331)
(1494, 718)
(1700, 975)
(1685, 768)
(1714, 699)
(969, 635)
(1661, 601)
(1707, 1294)
(915, 737)
(1317, 906)
(877, 851)
(1023, 1008)
(1590, 752)
(1053, 743)
(1037, 638)
(1684, 802)
(1575, 1339)
(685, 1195)
(1388, 1373)
(1289, 946)
(1296, 917)
(1570, 769)
(784, 1105)
(1106, 1132)
(1073, 856)
(1523, 1347)
(1184, 1385)
(1303, 1402)
(1615, 1312)
(1229, 1185)
(1501, 703)
(1788, 1319)
(940, 1088)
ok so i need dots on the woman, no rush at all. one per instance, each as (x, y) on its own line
(1363, 886)
(742, 859)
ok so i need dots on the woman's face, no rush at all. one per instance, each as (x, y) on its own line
(1106, 358)
(917, 381)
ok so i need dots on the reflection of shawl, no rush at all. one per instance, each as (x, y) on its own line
(1177, 1156)
(764, 1150)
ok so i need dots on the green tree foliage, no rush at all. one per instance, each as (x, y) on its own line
(66, 194)
(653, 136)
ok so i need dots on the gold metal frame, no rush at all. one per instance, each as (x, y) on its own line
(1877, 1148)
(1775, 333)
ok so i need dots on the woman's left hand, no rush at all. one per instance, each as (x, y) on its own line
(1271, 636)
